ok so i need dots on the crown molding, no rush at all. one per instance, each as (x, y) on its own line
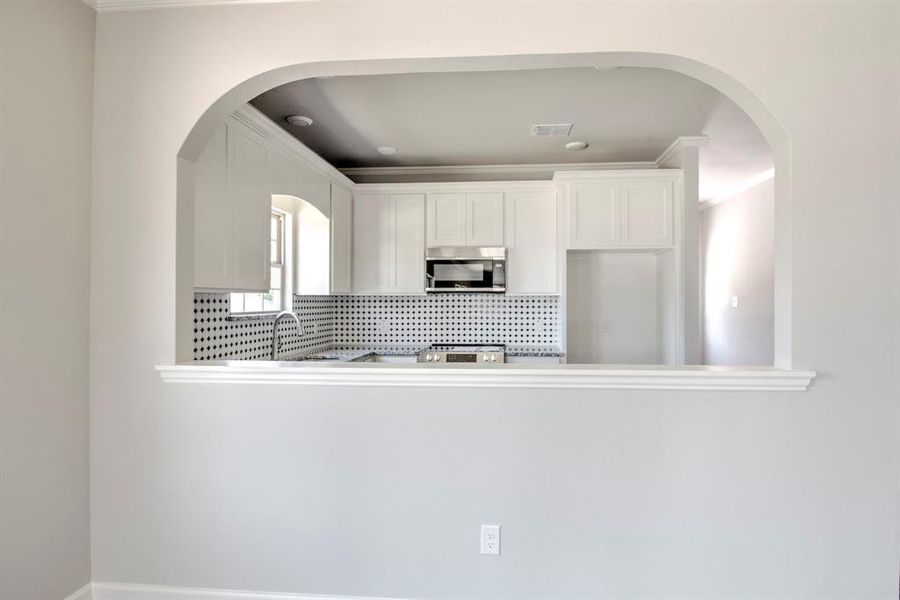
(738, 189)
(684, 141)
(491, 169)
(536, 172)
(114, 5)
(253, 118)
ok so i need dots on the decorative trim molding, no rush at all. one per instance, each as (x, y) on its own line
(133, 591)
(497, 376)
(454, 186)
(685, 140)
(111, 5)
(538, 172)
(253, 118)
(82, 593)
(663, 174)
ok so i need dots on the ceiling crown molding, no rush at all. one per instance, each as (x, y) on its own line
(111, 5)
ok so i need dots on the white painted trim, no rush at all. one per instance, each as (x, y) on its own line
(111, 5)
(527, 169)
(134, 591)
(496, 376)
(498, 170)
(453, 186)
(92, 4)
(82, 593)
(685, 140)
(637, 175)
(253, 118)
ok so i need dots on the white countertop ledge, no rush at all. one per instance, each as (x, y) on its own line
(597, 377)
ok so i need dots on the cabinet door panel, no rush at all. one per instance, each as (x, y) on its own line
(373, 226)
(409, 243)
(252, 210)
(647, 213)
(531, 243)
(341, 240)
(446, 219)
(213, 215)
(484, 219)
(594, 215)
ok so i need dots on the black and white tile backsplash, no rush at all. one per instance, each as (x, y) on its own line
(217, 336)
(450, 318)
(377, 321)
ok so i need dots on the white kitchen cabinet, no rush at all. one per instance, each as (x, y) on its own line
(232, 211)
(531, 242)
(620, 212)
(446, 214)
(252, 211)
(594, 215)
(647, 213)
(341, 240)
(484, 219)
(409, 244)
(213, 215)
(389, 243)
(465, 219)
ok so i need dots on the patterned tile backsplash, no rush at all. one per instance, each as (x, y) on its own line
(377, 321)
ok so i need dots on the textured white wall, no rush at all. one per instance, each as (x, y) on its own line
(46, 81)
(618, 493)
(738, 247)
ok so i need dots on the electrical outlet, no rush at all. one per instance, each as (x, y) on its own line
(490, 539)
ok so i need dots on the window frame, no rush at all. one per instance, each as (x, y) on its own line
(282, 261)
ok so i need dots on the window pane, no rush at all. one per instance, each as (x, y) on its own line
(253, 303)
(237, 303)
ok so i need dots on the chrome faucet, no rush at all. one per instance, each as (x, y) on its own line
(276, 342)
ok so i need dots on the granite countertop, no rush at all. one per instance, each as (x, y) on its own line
(358, 353)
(544, 351)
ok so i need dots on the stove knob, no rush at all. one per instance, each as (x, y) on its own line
(485, 358)
(493, 358)
(428, 358)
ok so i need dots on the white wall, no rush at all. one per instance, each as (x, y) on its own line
(612, 494)
(46, 81)
(611, 308)
(738, 252)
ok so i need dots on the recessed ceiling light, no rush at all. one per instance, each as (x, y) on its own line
(299, 121)
(387, 150)
(576, 146)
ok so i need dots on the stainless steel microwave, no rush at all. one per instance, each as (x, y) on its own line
(464, 269)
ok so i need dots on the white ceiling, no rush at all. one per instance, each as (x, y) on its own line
(484, 118)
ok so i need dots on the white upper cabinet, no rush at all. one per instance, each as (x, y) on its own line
(484, 219)
(465, 219)
(388, 243)
(232, 204)
(531, 242)
(446, 219)
(409, 236)
(252, 211)
(593, 215)
(620, 210)
(213, 215)
(341, 240)
(647, 213)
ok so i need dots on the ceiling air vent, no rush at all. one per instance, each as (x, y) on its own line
(551, 129)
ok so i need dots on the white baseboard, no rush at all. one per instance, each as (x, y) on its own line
(128, 591)
(82, 593)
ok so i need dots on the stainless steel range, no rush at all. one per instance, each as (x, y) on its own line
(464, 353)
